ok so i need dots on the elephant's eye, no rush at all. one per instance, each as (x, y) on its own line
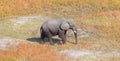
(71, 25)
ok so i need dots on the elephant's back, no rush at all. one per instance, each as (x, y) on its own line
(51, 26)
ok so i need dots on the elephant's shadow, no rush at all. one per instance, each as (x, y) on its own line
(37, 39)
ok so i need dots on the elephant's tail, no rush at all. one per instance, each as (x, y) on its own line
(40, 29)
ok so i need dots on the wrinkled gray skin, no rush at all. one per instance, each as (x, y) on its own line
(55, 27)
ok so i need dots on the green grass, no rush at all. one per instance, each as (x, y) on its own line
(30, 28)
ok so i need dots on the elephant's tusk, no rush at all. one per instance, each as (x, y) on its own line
(74, 31)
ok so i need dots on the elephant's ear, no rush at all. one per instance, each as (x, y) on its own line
(65, 26)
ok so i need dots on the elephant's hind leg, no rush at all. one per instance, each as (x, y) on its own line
(49, 36)
(42, 38)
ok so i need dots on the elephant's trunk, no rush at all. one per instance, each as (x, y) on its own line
(75, 33)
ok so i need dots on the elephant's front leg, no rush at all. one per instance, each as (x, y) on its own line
(62, 35)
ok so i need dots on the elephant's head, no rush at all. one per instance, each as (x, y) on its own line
(69, 24)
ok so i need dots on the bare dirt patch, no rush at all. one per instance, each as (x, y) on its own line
(83, 54)
(23, 19)
(6, 43)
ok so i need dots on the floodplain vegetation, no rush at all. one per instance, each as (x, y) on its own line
(99, 20)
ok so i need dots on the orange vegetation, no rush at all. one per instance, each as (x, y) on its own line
(30, 52)
(102, 23)
(10, 8)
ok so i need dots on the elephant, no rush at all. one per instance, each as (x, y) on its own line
(57, 27)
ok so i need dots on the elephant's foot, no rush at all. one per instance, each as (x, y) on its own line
(51, 43)
(42, 42)
(64, 42)
(61, 42)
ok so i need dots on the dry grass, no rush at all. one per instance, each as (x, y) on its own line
(103, 23)
(31, 52)
(10, 8)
